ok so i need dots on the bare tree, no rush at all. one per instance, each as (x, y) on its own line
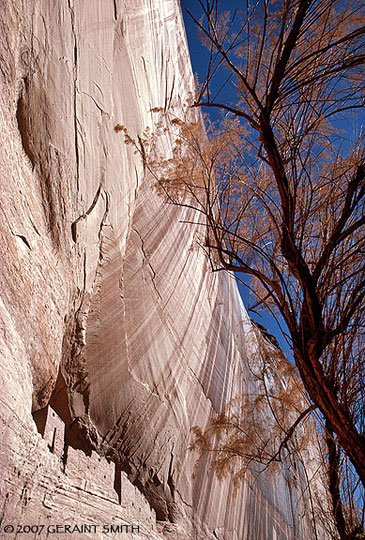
(280, 188)
(241, 217)
(296, 67)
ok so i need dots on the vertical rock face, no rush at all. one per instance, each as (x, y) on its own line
(109, 311)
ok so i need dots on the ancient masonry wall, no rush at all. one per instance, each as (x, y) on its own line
(80, 496)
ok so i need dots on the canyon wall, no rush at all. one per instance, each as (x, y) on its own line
(116, 338)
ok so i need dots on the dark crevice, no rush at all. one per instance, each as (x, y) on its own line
(156, 493)
(153, 491)
(118, 482)
(59, 400)
(170, 480)
(75, 68)
(24, 240)
(80, 433)
(74, 229)
(83, 216)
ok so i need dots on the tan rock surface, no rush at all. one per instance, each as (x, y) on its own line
(103, 289)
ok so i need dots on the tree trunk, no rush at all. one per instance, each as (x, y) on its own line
(323, 396)
(334, 484)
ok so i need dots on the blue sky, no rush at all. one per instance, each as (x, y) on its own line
(199, 57)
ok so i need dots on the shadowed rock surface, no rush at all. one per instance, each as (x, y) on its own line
(109, 312)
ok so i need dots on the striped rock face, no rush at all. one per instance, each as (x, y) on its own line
(115, 337)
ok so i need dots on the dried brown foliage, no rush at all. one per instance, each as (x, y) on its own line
(279, 186)
(269, 429)
(258, 427)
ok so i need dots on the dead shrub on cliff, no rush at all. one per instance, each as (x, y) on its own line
(261, 426)
(219, 174)
(269, 429)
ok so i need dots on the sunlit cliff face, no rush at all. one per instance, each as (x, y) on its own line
(109, 312)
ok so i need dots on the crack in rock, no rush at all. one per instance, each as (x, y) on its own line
(85, 214)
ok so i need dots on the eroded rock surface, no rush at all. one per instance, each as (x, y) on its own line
(109, 311)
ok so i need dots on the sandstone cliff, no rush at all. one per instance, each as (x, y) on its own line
(109, 311)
